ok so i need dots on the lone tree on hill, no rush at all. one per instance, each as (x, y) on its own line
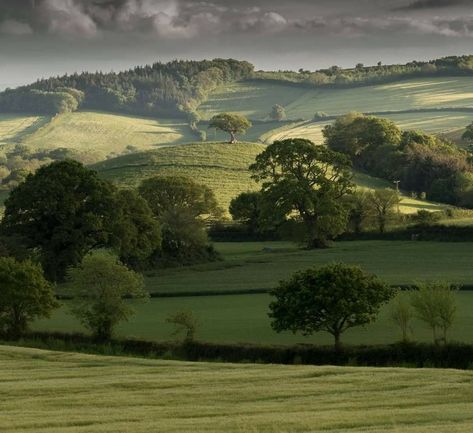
(308, 181)
(231, 123)
(333, 299)
(278, 113)
(25, 295)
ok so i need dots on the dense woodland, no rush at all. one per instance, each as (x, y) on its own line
(165, 89)
(178, 87)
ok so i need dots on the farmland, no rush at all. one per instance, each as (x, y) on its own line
(236, 318)
(71, 393)
(221, 166)
(255, 99)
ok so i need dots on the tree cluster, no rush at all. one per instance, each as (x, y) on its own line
(422, 163)
(361, 75)
(165, 89)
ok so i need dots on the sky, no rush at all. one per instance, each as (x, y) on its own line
(40, 38)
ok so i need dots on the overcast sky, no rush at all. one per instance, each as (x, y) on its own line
(44, 37)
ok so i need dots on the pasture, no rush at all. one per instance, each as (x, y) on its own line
(221, 166)
(253, 265)
(103, 134)
(244, 319)
(72, 393)
(255, 99)
(14, 127)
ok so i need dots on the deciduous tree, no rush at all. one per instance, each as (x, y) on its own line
(231, 123)
(333, 299)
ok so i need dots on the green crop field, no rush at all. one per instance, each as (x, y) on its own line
(54, 392)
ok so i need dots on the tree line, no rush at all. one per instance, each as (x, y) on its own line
(165, 89)
(362, 75)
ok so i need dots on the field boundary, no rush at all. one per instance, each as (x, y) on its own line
(414, 355)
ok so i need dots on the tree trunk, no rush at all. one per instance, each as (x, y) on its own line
(232, 137)
(338, 343)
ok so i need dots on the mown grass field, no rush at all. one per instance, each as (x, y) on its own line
(14, 127)
(255, 99)
(54, 392)
(106, 134)
(243, 318)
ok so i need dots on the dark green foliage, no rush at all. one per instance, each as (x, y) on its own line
(383, 204)
(420, 162)
(168, 89)
(135, 232)
(308, 180)
(403, 354)
(31, 100)
(369, 75)
(182, 208)
(247, 208)
(333, 299)
(231, 123)
(426, 218)
(25, 295)
(63, 210)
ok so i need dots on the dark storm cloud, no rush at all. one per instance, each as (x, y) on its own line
(181, 19)
(433, 4)
(42, 37)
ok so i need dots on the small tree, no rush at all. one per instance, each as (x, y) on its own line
(185, 323)
(435, 304)
(401, 315)
(99, 287)
(333, 298)
(383, 203)
(358, 204)
(278, 113)
(25, 295)
(231, 123)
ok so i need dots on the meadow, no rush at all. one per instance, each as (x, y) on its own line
(72, 393)
(253, 265)
(255, 98)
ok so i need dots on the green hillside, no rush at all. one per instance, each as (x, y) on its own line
(448, 124)
(221, 166)
(54, 392)
(255, 99)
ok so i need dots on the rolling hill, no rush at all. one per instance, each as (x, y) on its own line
(46, 391)
(221, 166)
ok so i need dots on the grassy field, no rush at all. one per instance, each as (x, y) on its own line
(255, 99)
(243, 318)
(261, 265)
(449, 124)
(223, 167)
(73, 393)
(14, 127)
(104, 134)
